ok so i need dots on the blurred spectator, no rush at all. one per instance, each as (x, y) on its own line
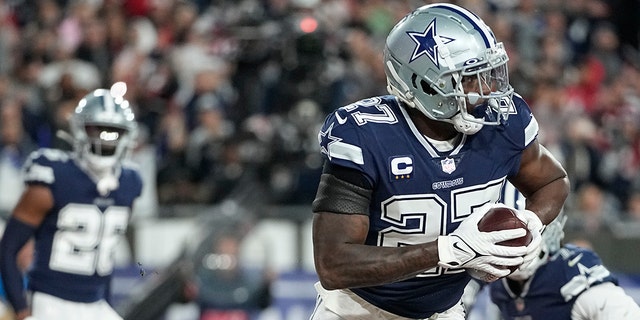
(618, 116)
(526, 29)
(9, 39)
(15, 147)
(226, 289)
(173, 177)
(262, 60)
(94, 47)
(206, 146)
(549, 106)
(605, 47)
(633, 207)
(226, 281)
(364, 76)
(584, 84)
(593, 209)
(581, 157)
(144, 156)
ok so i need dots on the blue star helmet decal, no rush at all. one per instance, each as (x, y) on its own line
(426, 43)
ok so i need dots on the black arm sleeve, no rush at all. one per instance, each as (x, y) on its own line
(349, 175)
(342, 190)
(16, 234)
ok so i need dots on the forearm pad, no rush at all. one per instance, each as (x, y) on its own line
(16, 234)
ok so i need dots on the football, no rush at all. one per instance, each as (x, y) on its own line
(501, 218)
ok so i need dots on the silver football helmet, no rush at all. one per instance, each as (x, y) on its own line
(436, 51)
(103, 127)
(551, 242)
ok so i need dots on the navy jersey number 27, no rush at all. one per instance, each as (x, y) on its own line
(420, 193)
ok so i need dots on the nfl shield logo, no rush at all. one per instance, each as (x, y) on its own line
(448, 165)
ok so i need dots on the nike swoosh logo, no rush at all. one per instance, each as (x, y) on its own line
(455, 245)
(575, 260)
(341, 120)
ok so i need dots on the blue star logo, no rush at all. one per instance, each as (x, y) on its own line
(334, 147)
(325, 138)
(426, 43)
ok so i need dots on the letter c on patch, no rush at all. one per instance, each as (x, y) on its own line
(401, 166)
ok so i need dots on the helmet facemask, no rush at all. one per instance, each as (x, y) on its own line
(487, 86)
(106, 145)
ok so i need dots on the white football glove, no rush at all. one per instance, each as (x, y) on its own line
(467, 247)
(535, 226)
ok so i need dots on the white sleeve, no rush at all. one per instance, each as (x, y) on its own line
(470, 294)
(605, 302)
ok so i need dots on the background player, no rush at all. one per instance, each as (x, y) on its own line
(565, 282)
(77, 207)
(407, 176)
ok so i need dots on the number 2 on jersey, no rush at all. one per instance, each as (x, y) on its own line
(86, 239)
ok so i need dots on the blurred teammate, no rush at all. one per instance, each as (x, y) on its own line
(408, 175)
(77, 206)
(564, 282)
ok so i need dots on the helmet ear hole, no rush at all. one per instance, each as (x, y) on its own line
(414, 77)
(422, 85)
(427, 88)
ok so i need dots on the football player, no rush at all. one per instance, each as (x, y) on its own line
(76, 206)
(564, 282)
(408, 175)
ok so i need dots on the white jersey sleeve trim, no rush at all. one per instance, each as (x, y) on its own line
(531, 131)
(605, 301)
(346, 151)
(40, 173)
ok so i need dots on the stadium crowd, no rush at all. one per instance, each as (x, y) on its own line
(231, 93)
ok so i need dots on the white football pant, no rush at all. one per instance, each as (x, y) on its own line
(346, 305)
(48, 307)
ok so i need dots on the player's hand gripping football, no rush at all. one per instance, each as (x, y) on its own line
(468, 247)
(535, 226)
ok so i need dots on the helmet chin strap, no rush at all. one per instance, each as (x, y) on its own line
(464, 126)
(459, 121)
(107, 184)
(105, 171)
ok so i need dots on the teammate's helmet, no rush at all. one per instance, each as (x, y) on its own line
(429, 54)
(104, 127)
(551, 242)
